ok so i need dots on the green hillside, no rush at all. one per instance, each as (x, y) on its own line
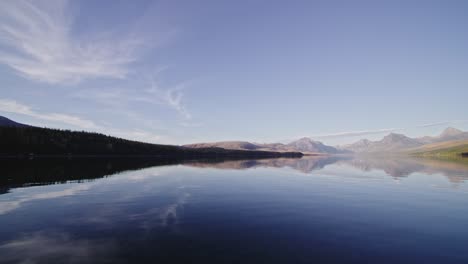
(445, 150)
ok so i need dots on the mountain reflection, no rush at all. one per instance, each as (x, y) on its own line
(102, 217)
(142, 211)
(23, 173)
(395, 166)
(455, 170)
(306, 164)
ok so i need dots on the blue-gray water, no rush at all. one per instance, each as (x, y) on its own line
(331, 210)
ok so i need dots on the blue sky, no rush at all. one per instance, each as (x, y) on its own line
(189, 71)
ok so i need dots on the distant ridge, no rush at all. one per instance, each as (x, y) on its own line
(5, 122)
(449, 134)
(46, 141)
(226, 145)
(304, 145)
(307, 145)
(394, 142)
(19, 140)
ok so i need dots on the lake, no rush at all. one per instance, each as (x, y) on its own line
(308, 210)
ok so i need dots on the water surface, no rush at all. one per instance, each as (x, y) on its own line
(309, 210)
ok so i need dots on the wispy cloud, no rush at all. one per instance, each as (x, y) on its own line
(173, 97)
(384, 130)
(152, 93)
(37, 42)
(435, 124)
(357, 133)
(12, 106)
(443, 123)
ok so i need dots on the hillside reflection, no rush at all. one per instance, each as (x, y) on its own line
(455, 170)
(23, 173)
(305, 164)
(395, 166)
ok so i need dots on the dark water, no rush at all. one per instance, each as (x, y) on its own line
(332, 210)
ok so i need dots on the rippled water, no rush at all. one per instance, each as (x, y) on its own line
(331, 210)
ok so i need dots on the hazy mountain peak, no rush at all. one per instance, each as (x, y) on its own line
(306, 140)
(393, 137)
(226, 145)
(306, 144)
(450, 131)
(391, 142)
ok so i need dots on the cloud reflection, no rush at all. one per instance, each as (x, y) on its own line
(42, 247)
(7, 206)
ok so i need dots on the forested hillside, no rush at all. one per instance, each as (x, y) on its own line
(27, 141)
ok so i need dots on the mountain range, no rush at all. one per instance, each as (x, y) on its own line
(304, 145)
(394, 142)
(391, 143)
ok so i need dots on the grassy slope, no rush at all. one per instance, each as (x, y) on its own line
(443, 149)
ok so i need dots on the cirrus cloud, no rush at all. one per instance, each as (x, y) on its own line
(357, 133)
(12, 106)
(36, 41)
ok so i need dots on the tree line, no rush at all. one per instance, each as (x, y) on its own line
(31, 141)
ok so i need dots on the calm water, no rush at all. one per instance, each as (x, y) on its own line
(309, 210)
